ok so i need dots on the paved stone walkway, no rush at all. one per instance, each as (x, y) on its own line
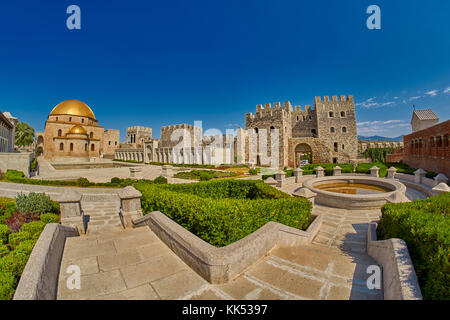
(135, 264)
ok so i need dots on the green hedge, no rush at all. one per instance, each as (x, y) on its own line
(311, 169)
(425, 227)
(400, 166)
(205, 175)
(49, 218)
(222, 212)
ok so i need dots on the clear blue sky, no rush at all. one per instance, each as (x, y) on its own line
(155, 63)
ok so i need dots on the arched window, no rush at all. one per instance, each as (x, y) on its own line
(59, 133)
(342, 147)
(91, 135)
(256, 130)
(336, 146)
(56, 118)
(342, 114)
(85, 147)
(71, 146)
(70, 119)
(344, 129)
(61, 146)
(331, 114)
(92, 147)
(82, 120)
(332, 130)
(313, 131)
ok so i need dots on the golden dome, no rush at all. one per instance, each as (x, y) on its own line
(78, 130)
(73, 107)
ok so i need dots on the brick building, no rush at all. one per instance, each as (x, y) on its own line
(428, 148)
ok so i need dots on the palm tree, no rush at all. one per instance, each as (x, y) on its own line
(24, 134)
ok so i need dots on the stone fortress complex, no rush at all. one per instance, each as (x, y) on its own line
(275, 136)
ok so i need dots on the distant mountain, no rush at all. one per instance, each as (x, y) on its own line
(378, 138)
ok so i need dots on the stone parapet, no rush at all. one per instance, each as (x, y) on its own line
(221, 265)
(39, 280)
(399, 277)
(130, 205)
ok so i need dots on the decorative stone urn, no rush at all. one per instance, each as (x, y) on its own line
(271, 181)
(279, 177)
(440, 188)
(71, 213)
(391, 172)
(375, 171)
(130, 205)
(320, 172)
(337, 171)
(440, 178)
(419, 174)
(306, 193)
(298, 173)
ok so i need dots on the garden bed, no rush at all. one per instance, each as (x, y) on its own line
(425, 227)
(205, 175)
(21, 222)
(222, 212)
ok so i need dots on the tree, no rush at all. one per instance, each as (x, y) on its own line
(24, 134)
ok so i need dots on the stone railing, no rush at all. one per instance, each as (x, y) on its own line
(399, 278)
(221, 265)
(39, 279)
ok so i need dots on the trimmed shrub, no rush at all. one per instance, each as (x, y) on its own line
(160, 180)
(115, 180)
(35, 228)
(253, 172)
(34, 203)
(222, 212)
(4, 233)
(83, 182)
(26, 246)
(205, 176)
(15, 238)
(365, 168)
(424, 226)
(14, 263)
(3, 250)
(49, 218)
(7, 285)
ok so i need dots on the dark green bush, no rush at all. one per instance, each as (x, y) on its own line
(115, 180)
(3, 250)
(425, 227)
(7, 285)
(35, 228)
(4, 233)
(205, 176)
(34, 203)
(14, 263)
(222, 212)
(160, 180)
(83, 182)
(49, 218)
(26, 246)
(15, 238)
(253, 172)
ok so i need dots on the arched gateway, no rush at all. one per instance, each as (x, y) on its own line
(302, 152)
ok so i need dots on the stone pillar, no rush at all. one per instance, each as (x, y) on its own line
(279, 177)
(136, 173)
(305, 193)
(440, 178)
(375, 171)
(337, 171)
(440, 188)
(419, 174)
(130, 206)
(165, 171)
(320, 172)
(71, 213)
(298, 173)
(391, 172)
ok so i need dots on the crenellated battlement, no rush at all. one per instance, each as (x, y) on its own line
(139, 128)
(342, 98)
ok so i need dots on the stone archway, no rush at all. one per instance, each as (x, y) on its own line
(302, 151)
(40, 151)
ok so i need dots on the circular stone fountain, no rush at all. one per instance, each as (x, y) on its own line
(356, 192)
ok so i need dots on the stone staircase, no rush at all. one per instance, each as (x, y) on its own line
(101, 213)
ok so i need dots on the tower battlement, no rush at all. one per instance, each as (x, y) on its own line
(341, 98)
